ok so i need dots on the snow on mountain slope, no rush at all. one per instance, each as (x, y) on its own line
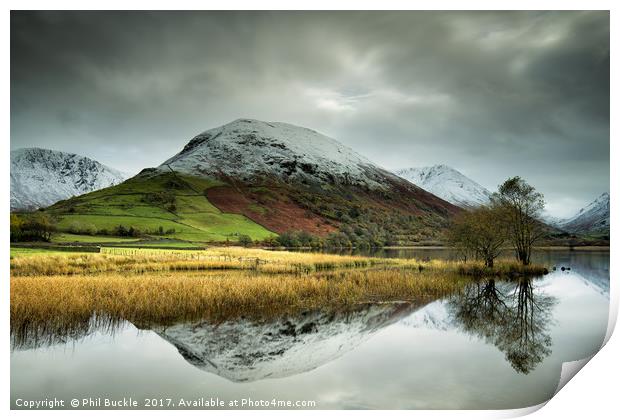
(550, 219)
(247, 149)
(433, 316)
(41, 177)
(592, 218)
(447, 183)
(246, 351)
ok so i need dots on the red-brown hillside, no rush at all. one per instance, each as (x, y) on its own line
(403, 208)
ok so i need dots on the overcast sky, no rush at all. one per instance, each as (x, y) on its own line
(492, 94)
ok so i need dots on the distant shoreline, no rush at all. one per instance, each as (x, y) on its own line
(94, 247)
(558, 247)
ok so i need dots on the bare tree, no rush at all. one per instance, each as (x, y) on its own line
(521, 205)
(479, 233)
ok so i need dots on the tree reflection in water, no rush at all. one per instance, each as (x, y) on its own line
(510, 315)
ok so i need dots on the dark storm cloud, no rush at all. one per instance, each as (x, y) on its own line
(493, 94)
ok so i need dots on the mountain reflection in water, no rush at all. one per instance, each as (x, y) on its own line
(245, 350)
(495, 344)
(510, 315)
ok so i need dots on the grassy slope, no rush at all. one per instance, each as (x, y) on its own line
(194, 219)
(26, 252)
(70, 237)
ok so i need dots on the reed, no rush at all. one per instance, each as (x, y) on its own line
(502, 268)
(128, 260)
(61, 305)
(59, 296)
(147, 260)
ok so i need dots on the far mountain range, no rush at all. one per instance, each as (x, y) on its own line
(258, 178)
(451, 185)
(42, 177)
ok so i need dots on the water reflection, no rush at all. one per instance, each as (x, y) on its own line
(246, 350)
(239, 349)
(592, 267)
(592, 264)
(33, 334)
(510, 315)
(497, 344)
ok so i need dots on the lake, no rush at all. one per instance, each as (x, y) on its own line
(496, 344)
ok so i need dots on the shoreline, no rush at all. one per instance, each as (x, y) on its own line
(95, 247)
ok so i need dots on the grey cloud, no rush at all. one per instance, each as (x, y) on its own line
(493, 94)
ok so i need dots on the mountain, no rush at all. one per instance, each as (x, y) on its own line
(264, 178)
(593, 218)
(248, 150)
(288, 177)
(550, 219)
(248, 351)
(41, 177)
(449, 184)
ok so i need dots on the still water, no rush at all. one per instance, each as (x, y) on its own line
(495, 345)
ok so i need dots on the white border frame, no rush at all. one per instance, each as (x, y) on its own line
(592, 394)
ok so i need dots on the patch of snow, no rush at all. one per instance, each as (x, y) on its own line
(551, 220)
(246, 351)
(248, 149)
(42, 177)
(591, 218)
(447, 183)
(433, 316)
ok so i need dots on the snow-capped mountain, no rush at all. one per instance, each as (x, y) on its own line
(248, 149)
(246, 351)
(550, 219)
(592, 218)
(447, 183)
(286, 177)
(41, 177)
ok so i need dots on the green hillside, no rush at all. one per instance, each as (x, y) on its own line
(165, 205)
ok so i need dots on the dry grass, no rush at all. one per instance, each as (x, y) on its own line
(151, 260)
(57, 306)
(59, 295)
(502, 268)
(133, 260)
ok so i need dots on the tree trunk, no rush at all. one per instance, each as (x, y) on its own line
(523, 256)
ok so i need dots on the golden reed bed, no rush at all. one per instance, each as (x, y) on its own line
(119, 260)
(58, 307)
(147, 260)
(59, 294)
